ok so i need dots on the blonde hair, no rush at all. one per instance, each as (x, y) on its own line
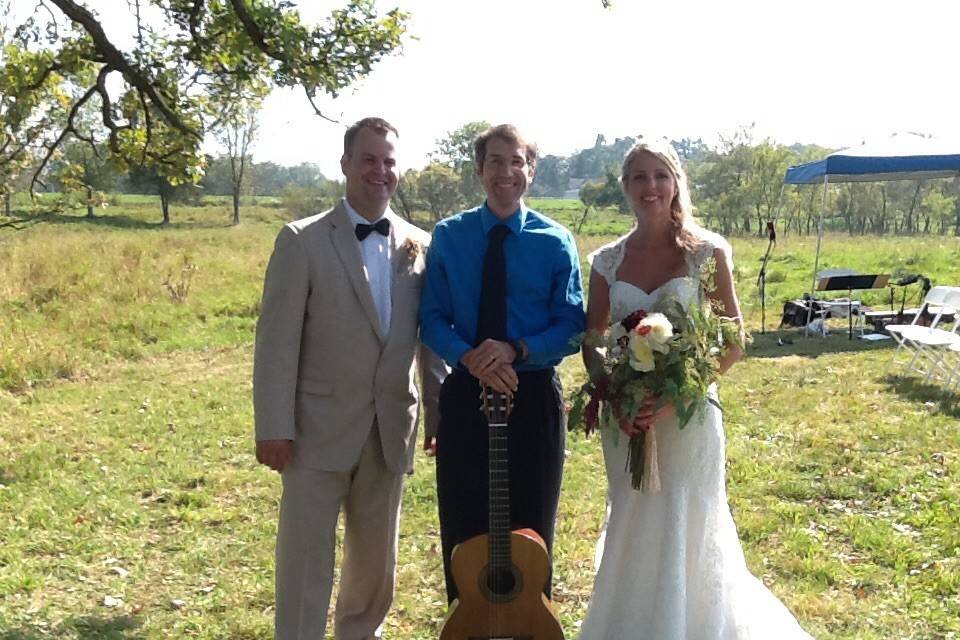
(681, 207)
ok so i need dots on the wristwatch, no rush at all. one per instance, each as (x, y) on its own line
(520, 347)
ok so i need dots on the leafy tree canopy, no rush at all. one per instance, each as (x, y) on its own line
(188, 61)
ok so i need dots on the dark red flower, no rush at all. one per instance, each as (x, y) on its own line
(633, 319)
(591, 414)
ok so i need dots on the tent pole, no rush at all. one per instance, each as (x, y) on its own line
(816, 260)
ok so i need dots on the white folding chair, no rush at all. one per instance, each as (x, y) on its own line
(931, 345)
(953, 378)
(932, 303)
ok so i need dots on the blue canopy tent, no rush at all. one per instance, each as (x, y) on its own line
(899, 157)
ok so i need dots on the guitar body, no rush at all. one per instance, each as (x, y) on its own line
(513, 608)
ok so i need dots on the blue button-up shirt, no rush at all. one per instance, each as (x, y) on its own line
(544, 291)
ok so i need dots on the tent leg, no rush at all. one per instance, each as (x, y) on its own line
(816, 260)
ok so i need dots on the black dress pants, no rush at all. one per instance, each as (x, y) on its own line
(535, 443)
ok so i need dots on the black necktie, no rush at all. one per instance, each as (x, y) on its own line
(381, 226)
(492, 315)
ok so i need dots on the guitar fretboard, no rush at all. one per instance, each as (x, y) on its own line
(497, 408)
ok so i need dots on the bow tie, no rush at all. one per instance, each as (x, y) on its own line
(381, 226)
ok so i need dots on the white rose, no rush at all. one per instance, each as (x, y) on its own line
(641, 355)
(661, 331)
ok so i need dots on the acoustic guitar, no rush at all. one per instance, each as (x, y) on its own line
(501, 574)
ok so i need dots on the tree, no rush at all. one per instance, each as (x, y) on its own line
(456, 151)
(302, 201)
(938, 208)
(147, 179)
(552, 177)
(592, 163)
(236, 133)
(18, 133)
(438, 188)
(765, 181)
(217, 178)
(189, 57)
(690, 150)
(405, 199)
(85, 170)
(605, 193)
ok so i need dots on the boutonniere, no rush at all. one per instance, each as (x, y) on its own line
(412, 248)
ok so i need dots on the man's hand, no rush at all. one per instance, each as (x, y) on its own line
(489, 356)
(503, 379)
(276, 454)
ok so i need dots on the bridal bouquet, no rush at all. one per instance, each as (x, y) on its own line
(669, 353)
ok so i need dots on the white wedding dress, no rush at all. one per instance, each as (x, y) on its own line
(670, 565)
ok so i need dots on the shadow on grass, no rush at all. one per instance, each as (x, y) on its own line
(58, 218)
(791, 342)
(915, 389)
(114, 221)
(18, 223)
(85, 628)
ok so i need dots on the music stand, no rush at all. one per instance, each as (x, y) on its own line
(849, 283)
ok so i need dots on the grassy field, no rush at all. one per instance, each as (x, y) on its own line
(132, 507)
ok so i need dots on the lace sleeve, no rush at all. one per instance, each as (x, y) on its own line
(606, 260)
(709, 243)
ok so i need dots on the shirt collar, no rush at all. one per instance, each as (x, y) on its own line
(515, 222)
(356, 218)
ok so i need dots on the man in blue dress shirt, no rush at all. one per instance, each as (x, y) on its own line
(512, 350)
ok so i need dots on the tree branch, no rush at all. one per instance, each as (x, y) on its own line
(194, 20)
(149, 127)
(316, 109)
(67, 129)
(90, 141)
(117, 61)
(254, 31)
(105, 115)
(55, 66)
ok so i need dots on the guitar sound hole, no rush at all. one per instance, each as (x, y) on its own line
(501, 582)
(501, 585)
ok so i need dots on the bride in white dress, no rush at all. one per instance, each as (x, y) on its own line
(670, 565)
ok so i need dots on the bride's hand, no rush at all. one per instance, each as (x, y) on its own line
(627, 426)
(633, 427)
(649, 414)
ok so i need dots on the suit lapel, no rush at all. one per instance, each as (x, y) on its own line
(399, 259)
(347, 247)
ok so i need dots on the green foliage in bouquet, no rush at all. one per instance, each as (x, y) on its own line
(669, 353)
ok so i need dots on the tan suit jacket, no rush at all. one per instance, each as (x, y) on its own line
(323, 367)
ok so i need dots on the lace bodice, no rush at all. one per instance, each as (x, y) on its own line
(626, 297)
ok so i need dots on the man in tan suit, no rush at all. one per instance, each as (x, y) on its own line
(335, 399)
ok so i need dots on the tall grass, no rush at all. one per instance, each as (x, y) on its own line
(132, 506)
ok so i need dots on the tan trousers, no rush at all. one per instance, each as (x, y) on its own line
(370, 497)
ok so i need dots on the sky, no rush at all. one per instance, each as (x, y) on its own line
(828, 72)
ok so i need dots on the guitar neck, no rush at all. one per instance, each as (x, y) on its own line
(497, 409)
